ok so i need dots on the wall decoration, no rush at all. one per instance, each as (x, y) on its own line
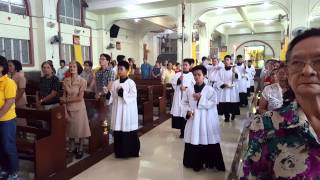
(118, 45)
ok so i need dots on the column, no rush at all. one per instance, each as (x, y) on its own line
(299, 14)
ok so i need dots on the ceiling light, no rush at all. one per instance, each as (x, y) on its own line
(266, 5)
(267, 22)
(131, 7)
(233, 24)
(137, 20)
(220, 10)
(312, 18)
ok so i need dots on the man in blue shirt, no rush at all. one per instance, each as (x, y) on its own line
(145, 70)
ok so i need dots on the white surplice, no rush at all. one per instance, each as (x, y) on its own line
(124, 116)
(229, 94)
(242, 78)
(188, 80)
(203, 127)
(251, 72)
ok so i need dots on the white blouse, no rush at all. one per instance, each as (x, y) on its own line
(273, 94)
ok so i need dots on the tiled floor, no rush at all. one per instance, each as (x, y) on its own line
(161, 157)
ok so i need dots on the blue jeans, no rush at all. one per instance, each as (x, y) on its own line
(8, 150)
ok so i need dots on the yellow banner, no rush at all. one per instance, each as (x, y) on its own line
(78, 53)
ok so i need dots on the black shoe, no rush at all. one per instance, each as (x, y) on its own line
(79, 154)
(181, 136)
(196, 169)
(226, 120)
(233, 117)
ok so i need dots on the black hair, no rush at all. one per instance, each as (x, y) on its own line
(107, 56)
(239, 56)
(124, 64)
(50, 61)
(4, 64)
(204, 58)
(189, 61)
(177, 64)
(250, 61)
(129, 59)
(79, 68)
(201, 68)
(51, 65)
(89, 63)
(17, 65)
(314, 32)
(120, 58)
(62, 61)
(227, 56)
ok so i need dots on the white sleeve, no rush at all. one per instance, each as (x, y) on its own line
(185, 104)
(208, 101)
(174, 81)
(265, 93)
(130, 94)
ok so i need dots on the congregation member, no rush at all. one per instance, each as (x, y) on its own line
(202, 131)
(133, 66)
(16, 74)
(285, 143)
(180, 82)
(273, 95)
(229, 95)
(146, 70)
(251, 72)
(156, 71)
(87, 74)
(49, 86)
(76, 113)
(105, 75)
(242, 82)
(53, 69)
(62, 70)
(8, 150)
(178, 67)
(124, 118)
(214, 75)
(168, 74)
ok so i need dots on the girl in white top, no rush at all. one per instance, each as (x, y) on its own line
(272, 95)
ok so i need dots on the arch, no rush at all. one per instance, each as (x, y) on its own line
(263, 42)
(197, 16)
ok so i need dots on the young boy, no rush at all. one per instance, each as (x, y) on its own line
(124, 116)
(180, 82)
(202, 131)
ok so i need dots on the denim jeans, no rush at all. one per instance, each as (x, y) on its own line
(8, 149)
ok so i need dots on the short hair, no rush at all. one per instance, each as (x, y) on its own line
(250, 61)
(188, 60)
(201, 68)
(107, 56)
(50, 61)
(120, 58)
(4, 64)
(177, 64)
(313, 32)
(227, 56)
(89, 63)
(17, 65)
(239, 56)
(62, 61)
(129, 59)
(204, 58)
(124, 64)
(47, 62)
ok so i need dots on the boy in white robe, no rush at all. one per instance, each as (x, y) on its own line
(242, 81)
(202, 131)
(229, 95)
(251, 71)
(180, 82)
(124, 117)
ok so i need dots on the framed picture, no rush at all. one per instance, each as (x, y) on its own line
(118, 45)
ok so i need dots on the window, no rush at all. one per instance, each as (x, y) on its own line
(85, 53)
(70, 12)
(67, 52)
(15, 49)
(13, 6)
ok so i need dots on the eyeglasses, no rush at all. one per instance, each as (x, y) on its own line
(298, 65)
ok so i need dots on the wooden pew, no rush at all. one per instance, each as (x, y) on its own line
(145, 103)
(97, 114)
(48, 149)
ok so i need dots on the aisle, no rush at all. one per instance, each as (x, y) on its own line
(161, 157)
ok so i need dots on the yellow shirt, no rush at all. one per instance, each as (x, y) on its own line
(8, 90)
(167, 76)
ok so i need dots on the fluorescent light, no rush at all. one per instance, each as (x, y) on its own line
(233, 24)
(266, 4)
(147, 1)
(136, 20)
(220, 10)
(131, 7)
(267, 22)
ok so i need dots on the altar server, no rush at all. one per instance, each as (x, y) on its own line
(242, 81)
(180, 82)
(124, 117)
(229, 96)
(202, 131)
(251, 72)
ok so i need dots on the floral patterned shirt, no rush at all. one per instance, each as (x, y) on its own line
(282, 145)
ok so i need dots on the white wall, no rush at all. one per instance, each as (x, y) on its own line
(271, 38)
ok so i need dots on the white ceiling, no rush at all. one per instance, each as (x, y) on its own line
(262, 18)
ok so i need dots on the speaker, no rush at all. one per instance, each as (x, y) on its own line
(114, 30)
